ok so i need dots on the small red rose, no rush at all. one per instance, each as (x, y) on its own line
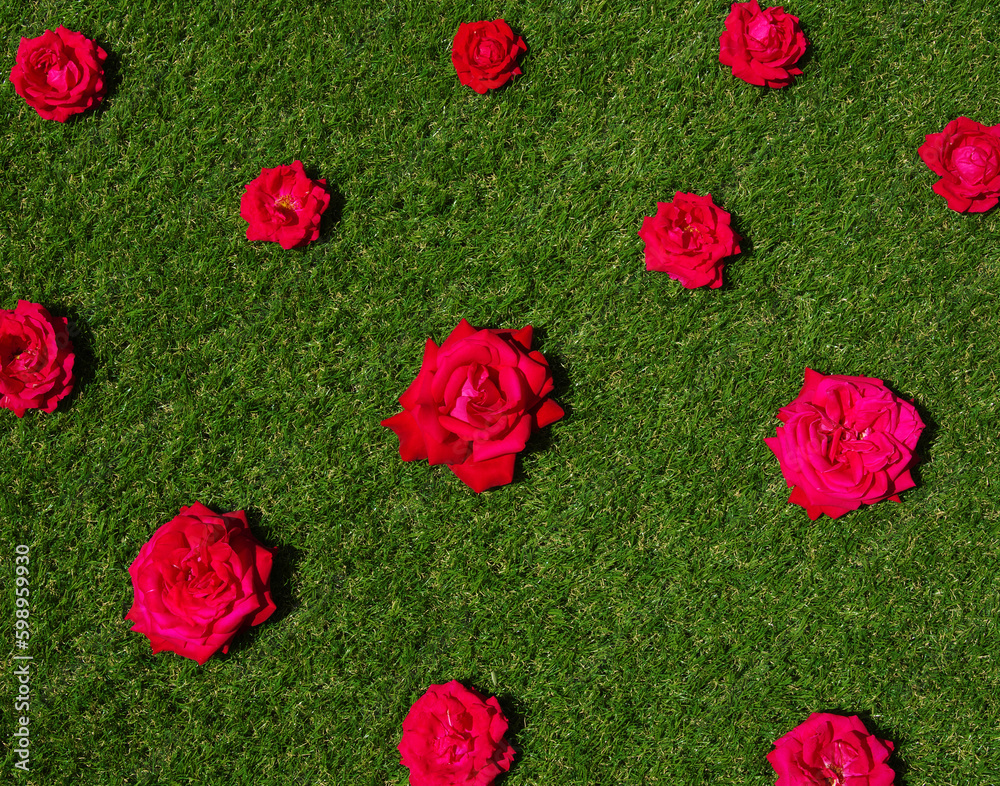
(845, 441)
(477, 399)
(688, 238)
(966, 155)
(452, 736)
(284, 205)
(59, 73)
(200, 579)
(762, 47)
(36, 359)
(485, 54)
(831, 750)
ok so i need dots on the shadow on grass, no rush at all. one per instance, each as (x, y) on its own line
(813, 53)
(513, 710)
(286, 561)
(334, 211)
(543, 438)
(746, 249)
(84, 364)
(927, 437)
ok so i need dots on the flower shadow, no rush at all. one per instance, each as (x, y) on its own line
(285, 563)
(334, 211)
(332, 215)
(746, 246)
(514, 711)
(543, 439)
(85, 363)
(927, 437)
(812, 54)
(112, 77)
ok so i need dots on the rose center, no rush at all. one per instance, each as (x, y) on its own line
(760, 33)
(687, 234)
(486, 52)
(975, 165)
(456, 742)
(837, 434)
(63, 78)
(13, 351)
(480, 399)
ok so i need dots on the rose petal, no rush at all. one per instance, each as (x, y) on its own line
(199, 580)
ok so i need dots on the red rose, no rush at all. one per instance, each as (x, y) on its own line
(59, 74)
(453, 737)
(200, 580)
(831, 750)
(485, 54)
(845, 441)
(474, 404)
(282, 204)
(36, 359)
(688, 238)
(966, 155)
(762, 46)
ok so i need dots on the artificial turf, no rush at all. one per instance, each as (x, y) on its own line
(643, 600)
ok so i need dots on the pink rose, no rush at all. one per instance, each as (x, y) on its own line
(831, 750)
(762, 46)
(475, 402)
(485, 54)
(36, 359)
(688, 238)
(59, 74)
(453, 737)
(966, 155)
(199, 580)
(845, 441)
(284, 205)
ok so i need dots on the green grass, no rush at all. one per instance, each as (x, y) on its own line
(642, 599)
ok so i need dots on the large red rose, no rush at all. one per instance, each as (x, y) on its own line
(688, 238)
(485, 54)
(966, 155)
(59, 73)
(831, 750)
(474, 404)
(762, 47)
(845, 441)
(36, 359)
(454, 737)
(284, 205)
(199, 580)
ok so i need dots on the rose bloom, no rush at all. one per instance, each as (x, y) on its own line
(762, 47)
(845, 441)
(59, 73)
(485, 54)
(966, 155)
(36, 359)
(831, 750)
(475, 402)
(284, 205)
(453, 737)
(688, 238)
(199, 580)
